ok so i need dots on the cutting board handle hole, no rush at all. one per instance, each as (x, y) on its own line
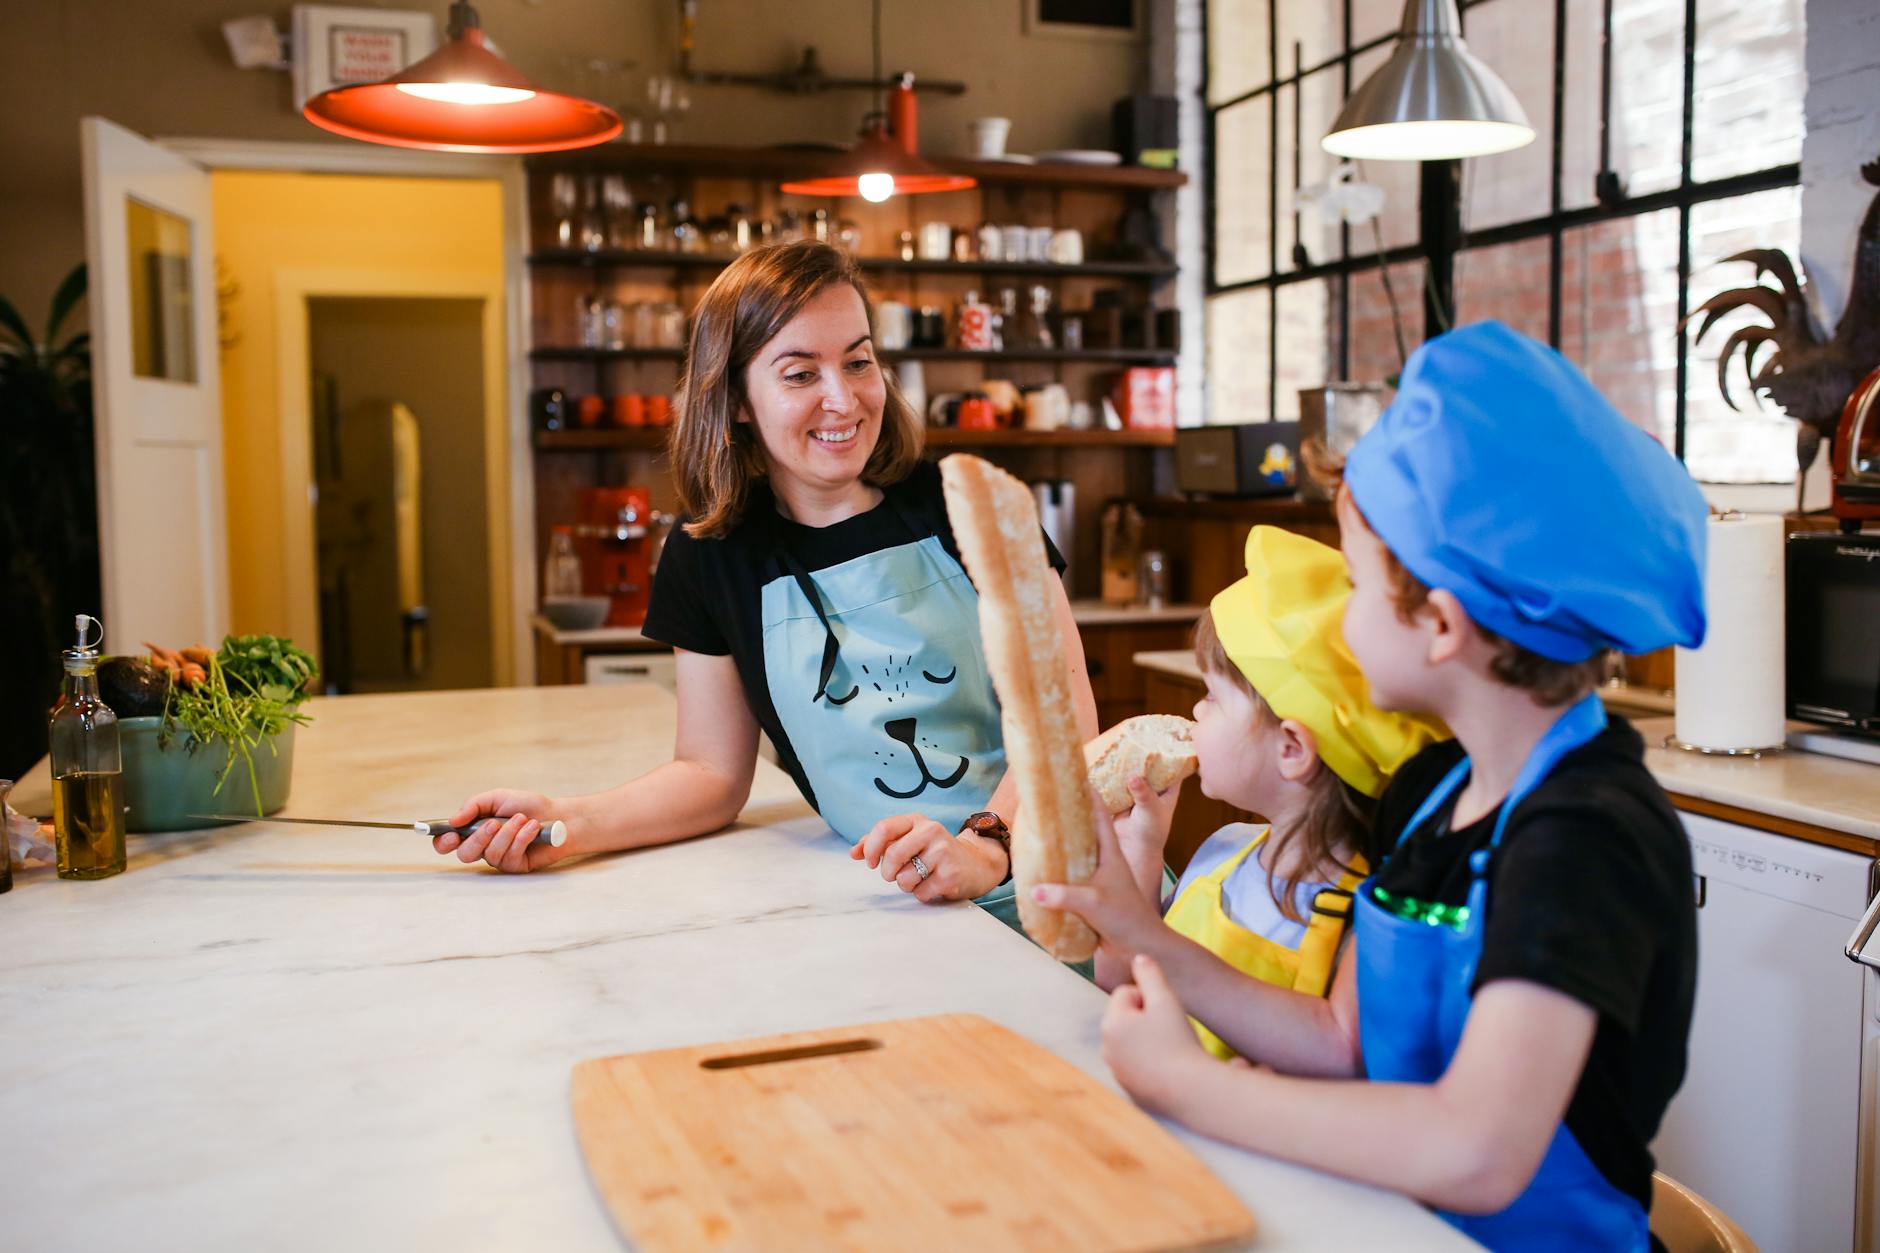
(772, 1056)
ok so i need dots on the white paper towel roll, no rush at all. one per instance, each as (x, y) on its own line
(1730, 691)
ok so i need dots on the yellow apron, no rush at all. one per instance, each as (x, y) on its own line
(1199, 914)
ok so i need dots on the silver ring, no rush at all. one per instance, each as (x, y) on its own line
(920, 868)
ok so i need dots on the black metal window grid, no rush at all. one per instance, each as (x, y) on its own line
(1611, 204)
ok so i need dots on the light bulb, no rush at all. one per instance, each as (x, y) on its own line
(466, 93)
(875, 186)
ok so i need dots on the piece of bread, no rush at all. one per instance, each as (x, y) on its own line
(1159, 747)
(1054, 834)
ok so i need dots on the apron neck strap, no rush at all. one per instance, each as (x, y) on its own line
(832, 647)
(1579, 723)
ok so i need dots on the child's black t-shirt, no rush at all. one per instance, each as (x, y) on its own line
(1590, 894)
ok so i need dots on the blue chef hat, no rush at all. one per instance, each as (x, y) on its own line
(1500, 474)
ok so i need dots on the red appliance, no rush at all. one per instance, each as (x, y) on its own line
(614, 540)
(1854, 459)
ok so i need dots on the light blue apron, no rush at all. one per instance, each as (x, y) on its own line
(1415, 986)
(876, 671)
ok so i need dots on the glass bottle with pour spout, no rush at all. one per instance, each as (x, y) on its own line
(87, 767)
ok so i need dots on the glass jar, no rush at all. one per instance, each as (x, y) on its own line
(561, 576)
(742, 235)
(652, 234)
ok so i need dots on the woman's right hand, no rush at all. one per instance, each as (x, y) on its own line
(510, 821)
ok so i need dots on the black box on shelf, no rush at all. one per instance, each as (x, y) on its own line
(1143, 128)
(1248, 459)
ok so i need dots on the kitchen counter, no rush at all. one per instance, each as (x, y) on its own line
(281, 1037)
(1826, 800)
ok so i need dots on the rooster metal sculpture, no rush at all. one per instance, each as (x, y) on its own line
(1809, 375)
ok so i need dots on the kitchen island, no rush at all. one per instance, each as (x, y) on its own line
(269, 1036)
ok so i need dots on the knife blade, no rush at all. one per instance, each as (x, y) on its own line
(554, 834)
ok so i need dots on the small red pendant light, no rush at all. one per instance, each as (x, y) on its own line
(463, 98)
(879, 166)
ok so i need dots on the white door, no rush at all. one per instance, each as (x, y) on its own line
(157, 392)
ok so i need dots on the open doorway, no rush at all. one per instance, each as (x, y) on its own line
(407, 280)
(401, 526)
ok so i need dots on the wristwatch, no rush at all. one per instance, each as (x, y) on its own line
(990, 826)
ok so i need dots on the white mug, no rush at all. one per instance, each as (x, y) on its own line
(936, 242)
(1015, 242)
(1038, 244)
(1066, 248)
(989, 136)
(894, 326)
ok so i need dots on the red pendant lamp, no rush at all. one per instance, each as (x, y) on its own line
(879, 166)
(463, 98)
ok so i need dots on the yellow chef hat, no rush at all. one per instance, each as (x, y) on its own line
(1281, 626)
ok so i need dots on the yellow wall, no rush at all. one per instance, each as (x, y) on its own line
(266, 223)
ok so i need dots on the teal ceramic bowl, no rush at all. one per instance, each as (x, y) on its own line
(163, 786)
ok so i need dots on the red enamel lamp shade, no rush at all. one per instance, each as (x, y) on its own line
(463, 98)
(875, 153)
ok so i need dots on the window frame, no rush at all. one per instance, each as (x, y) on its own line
(1552, 225)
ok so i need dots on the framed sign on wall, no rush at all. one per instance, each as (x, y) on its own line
(1084, 19)
(335, 45)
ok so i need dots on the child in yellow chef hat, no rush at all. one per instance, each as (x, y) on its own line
(1286, 731)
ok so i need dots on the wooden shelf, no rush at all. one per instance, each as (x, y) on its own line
(653, 439)
(629, 259)
(1088, 356)
(597, 438)
(782, 163)
(953, 437)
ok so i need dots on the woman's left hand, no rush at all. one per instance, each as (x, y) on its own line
(958, 868)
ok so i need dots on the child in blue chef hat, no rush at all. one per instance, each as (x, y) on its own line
(1507, 1027)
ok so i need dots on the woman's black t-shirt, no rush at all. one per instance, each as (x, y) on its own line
(1591, 894)
(708, 593)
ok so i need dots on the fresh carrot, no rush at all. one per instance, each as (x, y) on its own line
(193, 674)
(199, 655)
(168, 658)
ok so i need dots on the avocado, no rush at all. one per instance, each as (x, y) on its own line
(132, 686)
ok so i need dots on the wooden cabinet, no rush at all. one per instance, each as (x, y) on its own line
(1115, 679)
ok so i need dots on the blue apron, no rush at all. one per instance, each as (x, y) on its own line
(877, 673)
(1414, 992)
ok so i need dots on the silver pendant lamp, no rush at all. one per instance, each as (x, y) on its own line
(1433, 100)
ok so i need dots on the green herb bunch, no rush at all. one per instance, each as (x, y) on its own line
(252, 689)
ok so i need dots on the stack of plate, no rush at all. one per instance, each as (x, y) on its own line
(1080, 156)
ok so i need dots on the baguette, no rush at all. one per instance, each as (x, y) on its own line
(1054, 835)
(1159, 747)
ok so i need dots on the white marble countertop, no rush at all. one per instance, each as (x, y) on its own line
(1804, 787)
(1807, 787)
(279, 1037)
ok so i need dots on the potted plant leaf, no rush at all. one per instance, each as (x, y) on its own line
(207, 732)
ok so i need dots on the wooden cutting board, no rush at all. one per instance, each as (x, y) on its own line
(928, 1133)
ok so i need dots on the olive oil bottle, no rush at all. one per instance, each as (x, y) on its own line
(87, 767)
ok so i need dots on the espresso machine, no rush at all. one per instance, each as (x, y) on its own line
(614, 539)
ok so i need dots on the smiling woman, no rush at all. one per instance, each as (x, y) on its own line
(814, 592)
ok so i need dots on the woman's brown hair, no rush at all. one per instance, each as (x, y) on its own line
(1548, 681)
(715, 457)
(1337, 817)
